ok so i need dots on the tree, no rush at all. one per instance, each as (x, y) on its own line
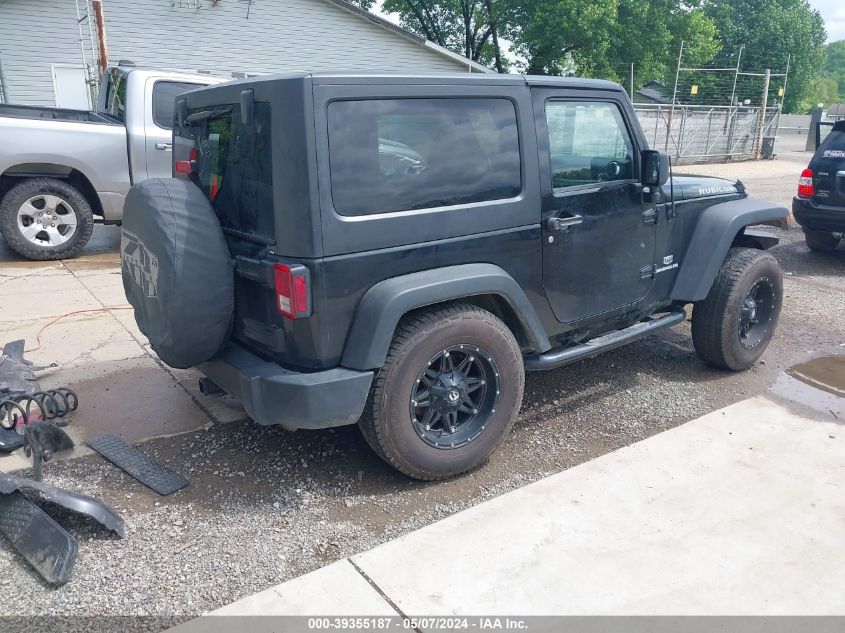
(560, 37)
(603, 39)
(771, 31)
(468, 27)
(649, 35)
(834, 71)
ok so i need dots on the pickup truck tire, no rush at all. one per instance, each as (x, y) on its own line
(820, 241)
(734, 324)
(61, 212)
(448, 393)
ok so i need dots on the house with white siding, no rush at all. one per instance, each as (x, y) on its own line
(48, 48)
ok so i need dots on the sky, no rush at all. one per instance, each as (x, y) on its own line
(833, 12)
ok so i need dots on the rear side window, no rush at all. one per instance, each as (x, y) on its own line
(233, 167)
(115, 100)
(402, 154)
(833, 146)
(164, 98)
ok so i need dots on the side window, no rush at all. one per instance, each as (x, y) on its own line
(588, 143)
(401, 154)
(164, 100)
(115, 102)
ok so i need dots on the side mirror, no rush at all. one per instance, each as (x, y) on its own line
(654, 167)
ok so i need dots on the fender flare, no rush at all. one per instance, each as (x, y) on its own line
(714, 234)
(384, 304)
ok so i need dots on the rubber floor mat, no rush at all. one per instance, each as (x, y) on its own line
(45, 544)
(133, 462)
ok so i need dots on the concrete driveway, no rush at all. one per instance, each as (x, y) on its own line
(74, 313)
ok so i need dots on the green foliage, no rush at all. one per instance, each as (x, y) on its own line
(603, 38)
(561, 37)
(771, 31)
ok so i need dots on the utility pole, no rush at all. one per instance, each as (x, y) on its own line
(632, 82)
(762, 129)
(101, 35)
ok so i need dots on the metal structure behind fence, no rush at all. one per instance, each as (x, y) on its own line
(718, 112)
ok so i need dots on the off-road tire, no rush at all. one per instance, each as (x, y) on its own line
(716, 319)
(820, 241)
(387, 422)
(29, 188)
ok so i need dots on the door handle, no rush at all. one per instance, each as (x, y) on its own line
(563, 224)
(164, 146)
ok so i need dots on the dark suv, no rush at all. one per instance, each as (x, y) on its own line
(396, 250)
(819, 206)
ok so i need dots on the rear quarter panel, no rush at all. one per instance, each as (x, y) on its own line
(98, 150)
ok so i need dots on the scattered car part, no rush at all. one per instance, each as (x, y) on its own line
(83, 504)
(45, 544)
(9, 440)
(134, 463)
(15, 372)
(42, 440)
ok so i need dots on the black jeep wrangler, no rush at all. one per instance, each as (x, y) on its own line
(396, 250)
(819, 206)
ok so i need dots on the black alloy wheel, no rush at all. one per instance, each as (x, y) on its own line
(454, 396)
(758, 308)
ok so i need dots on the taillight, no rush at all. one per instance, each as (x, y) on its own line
(186, 167)
(805, 184)
(293, 294)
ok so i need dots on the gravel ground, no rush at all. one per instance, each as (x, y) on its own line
(265, 505)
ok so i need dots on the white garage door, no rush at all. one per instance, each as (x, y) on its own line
(70, 89)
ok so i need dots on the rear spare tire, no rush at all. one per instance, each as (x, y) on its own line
(177, 270)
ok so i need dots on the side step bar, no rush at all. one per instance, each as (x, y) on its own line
(564, 356)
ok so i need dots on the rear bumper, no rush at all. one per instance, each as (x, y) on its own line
(293, 400)
(818, 218)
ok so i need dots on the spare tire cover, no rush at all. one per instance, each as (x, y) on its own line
(177, 270)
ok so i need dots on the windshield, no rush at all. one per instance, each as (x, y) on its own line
(233, 167)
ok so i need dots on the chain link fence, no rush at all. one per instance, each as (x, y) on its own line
(700, 133)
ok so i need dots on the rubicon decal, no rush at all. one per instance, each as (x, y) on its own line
(709, 191)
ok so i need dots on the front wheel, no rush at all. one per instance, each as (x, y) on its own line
(448, 393)
(734, 324)
(46, 218)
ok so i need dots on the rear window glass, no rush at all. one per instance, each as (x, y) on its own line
(164, 98)
(402, 154)
(114, 104)
(234, 168)
(833, 146)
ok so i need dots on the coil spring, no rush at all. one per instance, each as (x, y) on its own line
(17, 407)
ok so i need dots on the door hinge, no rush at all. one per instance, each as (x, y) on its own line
(647, 272)
(650, 216)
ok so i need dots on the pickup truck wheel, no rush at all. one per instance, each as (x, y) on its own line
(46, 218)
(820, 241)
(734, 324)
(448, 393)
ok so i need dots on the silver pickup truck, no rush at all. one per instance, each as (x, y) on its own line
(63, 170)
